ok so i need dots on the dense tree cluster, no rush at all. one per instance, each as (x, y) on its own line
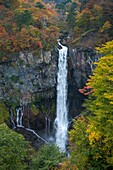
(93, 23)
(13, 149)
(16, 153)
(26, 25)
(89, 22)
(91, 137)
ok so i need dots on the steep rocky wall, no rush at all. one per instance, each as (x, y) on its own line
(80, 66)
(30, 80)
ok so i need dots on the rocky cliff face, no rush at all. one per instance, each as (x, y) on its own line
(29, 81)
(80, 65)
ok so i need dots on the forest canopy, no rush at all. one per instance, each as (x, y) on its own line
(26, 25)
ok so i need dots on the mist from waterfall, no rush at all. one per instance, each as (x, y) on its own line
(61, 121)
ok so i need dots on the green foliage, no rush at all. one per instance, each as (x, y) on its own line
(14, 78)
(23, 18)
(92, 137)
(71, 15)
(34, 109)
(46, 158)
(4, 114)
(96, 16)
(13, 149)
(102, 104)
(102, 81)
(82, 146)
(39, 5)
(79, 144)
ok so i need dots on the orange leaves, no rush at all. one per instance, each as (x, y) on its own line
(27, 25)
(4, 58)
(86, 11)
(40, 44)
(67, 165)
(86, 90)
(2, 30)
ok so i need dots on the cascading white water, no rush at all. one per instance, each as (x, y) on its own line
(47, 125)
(19, 116)
(12, 119)
(36, 135)
(61, 121)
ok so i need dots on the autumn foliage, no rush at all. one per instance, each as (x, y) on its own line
(93, 23)
(92, 135)
(86, 90)
(26, 25)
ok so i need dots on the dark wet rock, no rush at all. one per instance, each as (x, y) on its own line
(80, 66)
(35, 141)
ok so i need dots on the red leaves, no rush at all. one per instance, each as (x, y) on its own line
(2, 30)
(40, 44)
(86, 90)
(40, 33)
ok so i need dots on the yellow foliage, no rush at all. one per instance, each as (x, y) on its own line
(66, 165)
(97, 7)
(106, 48)
(94, 137)
(97, 156)
(93, 134)
(66, 13)
(106, 26)
(77, 2)
(34, 109)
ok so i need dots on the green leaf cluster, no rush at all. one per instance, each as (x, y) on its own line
(23, 18)
(34, 109)
(13, 149)
(47, 157)
(4, 114)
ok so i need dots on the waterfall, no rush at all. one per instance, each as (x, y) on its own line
(12, 119)
(36, 135)
(47, 125)
(19, 116)
(61, 121)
